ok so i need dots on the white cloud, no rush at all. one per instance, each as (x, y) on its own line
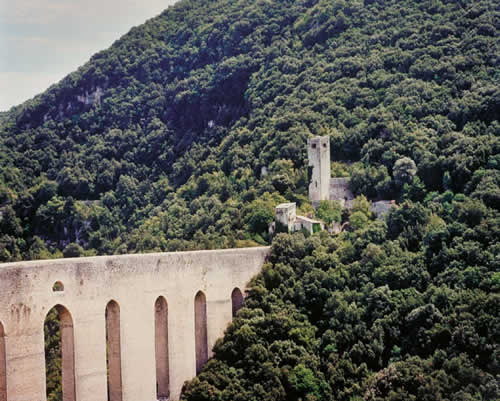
(16, 87)
(41, 41)
(49, 11)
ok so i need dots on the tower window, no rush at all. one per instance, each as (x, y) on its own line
(313, 146)
(324, 145)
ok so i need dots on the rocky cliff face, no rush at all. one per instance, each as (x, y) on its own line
(92, 97)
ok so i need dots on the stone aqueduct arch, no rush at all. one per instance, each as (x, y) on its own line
(3, 365)
(161, 348)
(67, 352)
(145, 318)
(236, 301)
(113, 351)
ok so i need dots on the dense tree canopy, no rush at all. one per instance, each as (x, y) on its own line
(190, 129)
(162, 141)
(362, 317)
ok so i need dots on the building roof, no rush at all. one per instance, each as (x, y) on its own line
(307, 219)
(382, 207)
(339, 181)
(286, 205)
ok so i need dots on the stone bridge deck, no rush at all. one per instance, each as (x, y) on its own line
(134, 283)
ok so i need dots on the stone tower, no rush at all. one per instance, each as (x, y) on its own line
(318, 154)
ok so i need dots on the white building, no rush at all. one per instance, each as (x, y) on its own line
(324, 187)
(285, 216)
(286, 220)
(321, 185)
(318, 154)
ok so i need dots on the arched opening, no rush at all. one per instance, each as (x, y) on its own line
(59, 355)
(161, 349)
(200, 325)
(113, 352)
(58, 286)
(3, 365)
(236, 300)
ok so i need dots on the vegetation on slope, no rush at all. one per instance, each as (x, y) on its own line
(158, 143)
(362, 317)
(192, 127)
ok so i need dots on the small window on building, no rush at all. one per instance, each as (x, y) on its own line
(316, 183)
(324, 145)
(58, 286)
(313, 146)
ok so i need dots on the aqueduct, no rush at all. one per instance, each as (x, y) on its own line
(133, 327)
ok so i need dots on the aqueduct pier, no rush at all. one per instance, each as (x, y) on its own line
(149, 320)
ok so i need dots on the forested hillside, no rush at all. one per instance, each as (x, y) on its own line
(360, 317)
(188, 131)
(158, 143)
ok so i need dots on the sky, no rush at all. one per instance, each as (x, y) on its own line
(41, 41)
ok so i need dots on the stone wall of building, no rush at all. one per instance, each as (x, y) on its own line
(134, 282)
(318, 155)
(340, 191)
(285, 215)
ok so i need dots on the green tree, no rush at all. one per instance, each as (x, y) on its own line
(329, 211)
(72, 250)
(358, 220)
(404, 170)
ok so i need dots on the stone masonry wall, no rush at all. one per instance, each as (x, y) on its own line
(134, 282)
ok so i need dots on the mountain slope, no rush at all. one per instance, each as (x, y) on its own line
(159, 142)
(189, 130)
(357, 317)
